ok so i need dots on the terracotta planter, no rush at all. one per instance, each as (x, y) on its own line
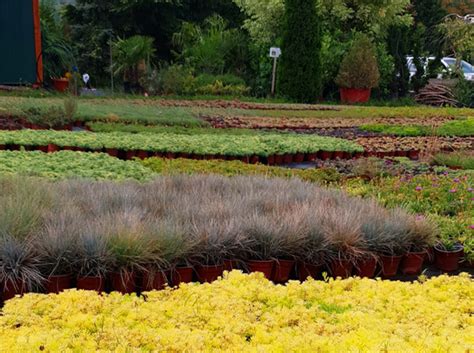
(11, 289)
(154, 280)
(310, 157)
(366, 267)
(354, 95)
(306, 270)
(209, 274)
(412, 263)
(182, 275)
(448, 261)
(230, 265)
(282, 270)
(123, 282)
(57, 284)
(341, 268)
(298, 158)
(60, 84)
(91, 283)
(390, 265)
(266, 267)
(325, 155)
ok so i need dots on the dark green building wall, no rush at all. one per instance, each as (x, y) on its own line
(17, 44)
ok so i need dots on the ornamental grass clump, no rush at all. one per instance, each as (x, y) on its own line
(91, 229)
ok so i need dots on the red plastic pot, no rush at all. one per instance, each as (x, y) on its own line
(354, 95)
(311, 157)
(171, 155)
(10, 289)
(390, 265)
(338, 154)
(430, 256)
(271, 160)
(287, 158)
(278, 159)
(60, 84)
(91, 283)
(182, 275)
(230, 265)
(325, 155)
(130, 154)
(154, 280)
(413, 154)
(112, 152)
(448, 261)
(412, 263)
(57, 284)
(266, 267)
(209, 274)
(142, 154)
(282, 270)
(52, 148)
(306, 270)
(298, 158)
(123, 282)
(366, 267)
(341, 268)
(254, 159)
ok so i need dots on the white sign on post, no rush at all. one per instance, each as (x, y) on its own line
(275, 52)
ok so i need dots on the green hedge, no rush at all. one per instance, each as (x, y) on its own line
(231, 145)
(68, 164)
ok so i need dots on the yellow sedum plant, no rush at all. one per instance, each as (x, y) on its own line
(247, 313)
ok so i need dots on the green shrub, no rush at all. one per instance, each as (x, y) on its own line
(226, 80)
(464, 92)
(301, 73)
(219, 89)
(169, 80)
(359, 68)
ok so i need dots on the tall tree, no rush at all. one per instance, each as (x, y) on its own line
(300, 76)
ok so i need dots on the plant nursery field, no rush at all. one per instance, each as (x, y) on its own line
(221, 225)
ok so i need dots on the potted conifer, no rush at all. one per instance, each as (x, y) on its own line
(359, 71)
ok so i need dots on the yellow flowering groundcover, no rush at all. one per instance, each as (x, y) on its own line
(250, 314)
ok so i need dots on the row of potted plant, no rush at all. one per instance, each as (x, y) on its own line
(91, 229)
(218, 144)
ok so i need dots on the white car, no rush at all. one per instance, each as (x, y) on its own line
(448, 63)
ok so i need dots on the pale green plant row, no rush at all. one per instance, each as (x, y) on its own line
(230, 145)
(68, 164)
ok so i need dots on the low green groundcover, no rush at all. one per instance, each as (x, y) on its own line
(67, 164)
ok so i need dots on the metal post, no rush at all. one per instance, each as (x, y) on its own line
(274, 76)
